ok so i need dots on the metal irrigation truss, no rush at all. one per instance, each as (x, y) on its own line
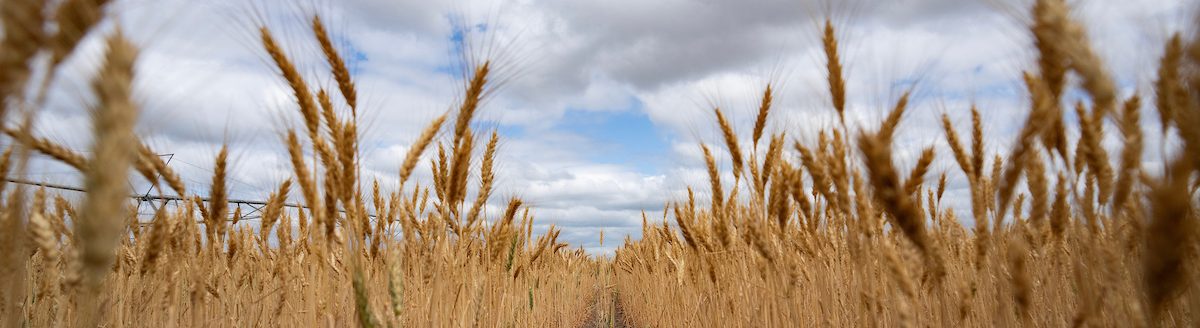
(154, 201)
(255, 206)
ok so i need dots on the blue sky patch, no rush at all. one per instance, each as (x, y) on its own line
(626, 137)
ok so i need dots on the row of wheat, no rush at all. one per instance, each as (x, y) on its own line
(344, 255)
(832, 234)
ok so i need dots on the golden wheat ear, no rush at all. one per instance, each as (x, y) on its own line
(49, 148)
(486, 178)
(24, 26)
(74, 18)
(218, 200)
(418, 147)
(1168, 236)
(304, 98)
(113, 154)
(833, 67)
(764, 108)
(341, 72)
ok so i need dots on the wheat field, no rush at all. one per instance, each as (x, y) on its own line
(830, 232)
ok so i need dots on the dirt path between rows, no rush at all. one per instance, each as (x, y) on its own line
(607, 312)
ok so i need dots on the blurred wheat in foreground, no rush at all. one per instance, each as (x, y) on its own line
(826, 234)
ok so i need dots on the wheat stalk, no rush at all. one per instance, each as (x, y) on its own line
(103, 209)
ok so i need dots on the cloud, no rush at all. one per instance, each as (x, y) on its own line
(204, 81)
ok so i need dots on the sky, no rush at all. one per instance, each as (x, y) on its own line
(601, 105)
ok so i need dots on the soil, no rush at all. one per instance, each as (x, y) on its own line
(600, 317)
